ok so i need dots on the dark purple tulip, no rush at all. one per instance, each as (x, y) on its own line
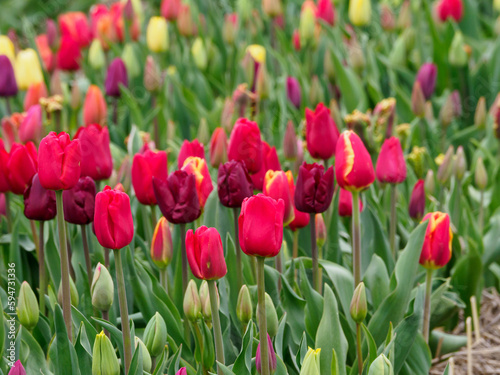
(8, 84)
(177, 197)
(293, 91)
(426, 76)
(314, 188)
(416, 207)
(79, 202)
(272, 357)
(39, 203)
(116, 76)
(234, 183)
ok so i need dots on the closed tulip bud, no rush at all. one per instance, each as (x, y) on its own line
(272, 8)
(73, 293)
(102, 288)
(418, 100)
(416, 207)
(205, 253)
(293, 90)
(69, 54)
(436, 250)
(230, 28)
(264, 240)
(446, 168)
(359, 307)
(152, 78)
(28, 69)
(7, 48)
(296, 40)
(481, 113)
(404, 17)
(271, 316)
(276, 186)
(146, 357)
(356, 56)
(311, 365)
(76, 98)
(290, 142)
(271, 355)
(199, 53)
(387, 19)
(194, 148)
(27, 307)
(315, 91)
(430, 184)
(381, 366)
(35, 93)
(96, 56)
(129, 58)
(52, 33)
(192, 303)
(345, 203)
(116, 77)
(417, 160)
(397, 56)
(360, 12)
(177, 197)
(113, 222)
(145, 166)
(104, 361)
(182, 371)
(203, 133)
(155, 335)
(446, 114)
(39, 203)
(17, 369)
(244, 307)
(426, 76)
(314, 189)
(198, 167)
(218, 147)
(391, 165)
(94, 107)
(480, 175)
(206, 308)
(96, 153)
(307, 23)
(460, 164)
(450, 9)
(245, 144)
(157, 35)
(321, 132)
(21, 167)
(79, 202)
(170, 9)
(321, 231)
(457, 56)
(234, 184)
(326, 11)
(185, 22)
(8, 84)
(161, 244)
(269, 161)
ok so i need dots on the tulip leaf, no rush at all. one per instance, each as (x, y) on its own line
(243, 364)
(136, 366)
(314, 303)
(83, 350)
(294, 306)
(36, 361)
(280, 367)
(376, 279)
(174, 361)
(333, 252)
(449, 342)
(162, 363)
(280, 336)
(66, 361)
(466, 278)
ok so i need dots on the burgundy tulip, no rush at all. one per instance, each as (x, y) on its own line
(416, 207)
(79, 202)
(39, 203)
(8, 84)
(314, 188)
(293, 91)
(234, 183)
(116, 76)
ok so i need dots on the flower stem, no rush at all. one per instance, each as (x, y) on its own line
(481, 213)
(427, 305)
(358, 347)
(184, 274)
(456, 208)
(106, 257)
(86, 252)
(394, 218)
(7, 106)
(295, 251)
(261, 293)
(164, 279)
(41, 269)
(219, 348)
(122, 298)
(239, 270)
(314, 253)
(63, 247)
(356, 239)
(154, 220)
(35, 237)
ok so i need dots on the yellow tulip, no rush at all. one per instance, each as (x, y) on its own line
(7, 48)
(360, 12)
(199, 53)
(257, 52)
(28, 69)
(157, 34)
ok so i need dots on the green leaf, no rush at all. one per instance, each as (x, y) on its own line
(243, 364)
(136, 363)
(466, 278)
(36, 361)
(377, 281)
(314, 303)
(66, 361)
(83, 351)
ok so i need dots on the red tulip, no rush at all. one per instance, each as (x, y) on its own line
(314, 190)
(205, 253)
(436, 250)
(113, 223)
(296, 39)
(4, 171)
(94, 107)
(39, 203)
(161, 244)
(102, 25)
(353, 165)
(245, 144)
(194, 148)
(22, 166)
(96, 153)
(301, 219)
(261, 226)
(416, 207)
(391, 165)
(218, 147)
(59, 161)
(145, 166)
(75, 26)
(233, 183)
(117, 15)
(31, 127)
(45, 52)
(198, 167)
(321, 132)
(79, 202)
(345, 203)
(3, 208)
(69, 54)
(447, 9)
(270, 161)
(170, 9)
(35, 92)
(326, 12)
(276, 186)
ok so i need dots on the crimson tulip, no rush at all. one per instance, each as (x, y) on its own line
(79, 202)
(245, 144)
(3, 205)
(39, 203)
(233, 183)
(270, 161)
(314, 189)
(194, 148)
(161, 244)
(31, 127)
(276, 186)
(326, 12)
(391, 165)
(145, 166)
(75, 25)
(218, 147)
(170, 9)
(321, 132)
(116, 77)
(94, 107)
(69, 54)
(205, 253)
(450, 9)
(22, 166)
(96, 153)
(345, 203)
(8, 84)
(4, 171)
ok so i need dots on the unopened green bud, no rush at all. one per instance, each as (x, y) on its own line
(307, 23)
(96, 55)
(129, 57)
(457, 55)
(356, 56)
(397, 56)
(244, 307)
(311, 364)
(416, 159)
(271, 316)
(262, 83)
(315, 92)
(152, 77)
(460, 164)
(446, 168)
(480, 175)
(27, 307)
(329, 66)
(192, 304)
(199, 53)
(146, 357)
(203, 132)
(381, 366)
(418, 100)
(481, 113)
(320, 227)
(359, 307)
(430, 184)
(73, 293)
(102, 289)
(244, 9)
(104, 361)
(206, 308)
(404, 18)
(155, 335)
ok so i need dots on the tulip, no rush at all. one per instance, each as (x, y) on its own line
(185, 22)
(381, 366)
(416, 207)
(359, 308)
(450, 9)
(94, 107)
(59, 160)
(39, 203)
(104, 361)
(79, 202)
(152, 79)
(69, 54)
(270, 161)
(194, 148)
(3, 208)
(244, 308)
(4, 171)
(161, 245)
(129, 57)
(314, 189)
(426, 76)
(35, 93)
(345, 203)
(123, 16)
(10, 128)
(205, 253)
(145, 166)
(457, 55)
(31, 126)
(170, 9)
(75, 25)
(27, 307)
(146, 357)
(480, 175)
(290, 142)
(8, 84)
(17, 369)
(321, 133)
(245, 144)
(326, 11)
(198, 167)
(276, 186)
(460, 164)
(182, 371)
(296, 40)
(199, 53)
(307, 21)
(22, 166)
(102, 288)
(7, 48)
(28, 69)
(233, 183)
(206, 309)
(96, 153)
(177, 197)
(96, 56)
(293, 91)
(116, 77)
(311, 364)
(192, 303)
(320, 226)
(230, 27)
(391, 166)
(272, 8)
(218, 147)
(301, 220)
(446, 168)
(387, 19)
(157, 35)
(271, 355)
(360, 12)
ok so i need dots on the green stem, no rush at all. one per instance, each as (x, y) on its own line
(394, 218)
(219, 348)
(358, 347)
(164, 279)
(295, 251)
(106, 257)
(314, 252)
(456, 208)
(7, 211)
(41, 269)
(7, 106)
(154, 220)
(239, 269)
(427, 305)
(156, 129)
(184, 273)
(356, 239)
(261, 293)
(86, 252)
(481, 212)
(122, 298)
(63, 246)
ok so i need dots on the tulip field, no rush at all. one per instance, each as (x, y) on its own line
(241, 187)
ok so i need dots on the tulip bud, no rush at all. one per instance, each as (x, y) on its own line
(293, 91)
(104, 361)
(199, 52)
(360, 12)
(296, 40)
(418, 100)
(480, 175)
(436, 249)
(307, 21)
(430, 185)
(97, 59)
(271, 355)
(28, 69)
(155, 335)
(161, 244)
(94, 107)
(206, 308)
(244, 307)
(31, 127)
(262, 82)
(391, 165)
(290, 142)
(116, 76)
(404, 18)
(345, 203)
(272, 8)
(146, 357)
(218, 147)
(185, 22)
(446, 168)
(321, 231)
(8, 84)
(311, 364)
(387, 19)
(381, 366)
(130, 60)
(417, 160)
(192, 303)
(457, 56)
(416, 207)
(460, 163)
(271, 316)
(397, 56)
(73, 293)
(203, 133)
(446, 115)
(426, 76)
(152, 78)
(182, 371)
(230, 28)
(450, 9)
(27, 307)
(481, 114)
(102, 288)
(157, 34)
(359, 307)
(17, 369)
